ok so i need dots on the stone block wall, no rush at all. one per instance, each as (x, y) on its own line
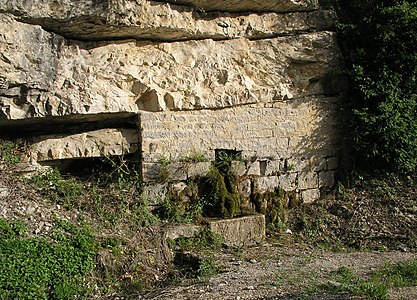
(294, 144)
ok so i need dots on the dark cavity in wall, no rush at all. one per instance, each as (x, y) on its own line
(84, 168)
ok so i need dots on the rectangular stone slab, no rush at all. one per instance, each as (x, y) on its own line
(244, 231)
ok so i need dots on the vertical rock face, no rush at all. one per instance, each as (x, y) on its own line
(257, 77)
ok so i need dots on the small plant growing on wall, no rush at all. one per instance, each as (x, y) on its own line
(163, 173)
(194, 157)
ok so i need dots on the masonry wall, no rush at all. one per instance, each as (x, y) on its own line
(295, 144)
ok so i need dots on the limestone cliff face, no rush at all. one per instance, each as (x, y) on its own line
(264, 76)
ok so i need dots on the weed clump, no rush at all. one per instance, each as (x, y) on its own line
(58, 189)
(193, 254)
(11, 151)
(203, 240)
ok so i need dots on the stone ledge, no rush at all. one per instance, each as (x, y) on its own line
(98, 143)
(149, 20)
(187, 231)
(249, 5)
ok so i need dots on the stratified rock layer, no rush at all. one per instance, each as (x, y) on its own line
(98, 143)
(46, 76)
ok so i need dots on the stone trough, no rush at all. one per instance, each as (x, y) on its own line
(237, 232)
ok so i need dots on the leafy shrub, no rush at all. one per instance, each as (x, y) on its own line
(177, 212)
(40, 268)
(207, 267)
(379, 38)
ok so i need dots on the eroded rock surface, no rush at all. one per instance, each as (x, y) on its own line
(105, 142)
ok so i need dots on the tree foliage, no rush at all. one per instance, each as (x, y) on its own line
(379, 41)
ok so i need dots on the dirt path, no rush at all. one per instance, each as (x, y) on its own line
(280, 272)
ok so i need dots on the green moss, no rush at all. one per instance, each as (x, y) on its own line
(221, 189)
(274, 205)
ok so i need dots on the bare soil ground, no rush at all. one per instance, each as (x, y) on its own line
(277, 271)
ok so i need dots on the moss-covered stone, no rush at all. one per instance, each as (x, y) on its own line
(223, 197)
(274, 205)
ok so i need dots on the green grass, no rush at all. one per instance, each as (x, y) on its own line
(403, 274)
(53, 267)
(345, 281)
